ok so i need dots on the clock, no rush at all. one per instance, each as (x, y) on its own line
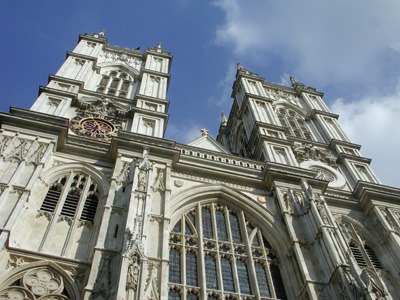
(95, 126)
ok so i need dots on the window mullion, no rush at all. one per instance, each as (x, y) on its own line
(201, 280)
(250, 261)
(76, 220)
(51, 226)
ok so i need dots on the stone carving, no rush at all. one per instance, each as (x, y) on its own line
(296, 203)
(319, 203)
(159, 183)
(133, 273)
(103, 106)
(144, 167)
(372, 284)
(102, 286)
(15, 262)
(37, 283)
(323, 174)
(80, 62)
(178, 183)
(151, 290)
(307, 151)
(121, 177)
(2, 188)
(112, 57)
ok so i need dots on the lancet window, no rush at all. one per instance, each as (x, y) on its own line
(217, 253)
(294, 123)
(115, 83)
(73, 195)
(363, 254)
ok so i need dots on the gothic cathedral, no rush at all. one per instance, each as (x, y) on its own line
(96, 204)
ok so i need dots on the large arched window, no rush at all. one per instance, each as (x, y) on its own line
(73, 195)
(294, 123)
(218, 253)
(363, 254)
(115, 83)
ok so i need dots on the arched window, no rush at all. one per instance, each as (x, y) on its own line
(115, 83)
(294, 123)
(72, 195)
(42, 282)
(363, 254)
(213, 244)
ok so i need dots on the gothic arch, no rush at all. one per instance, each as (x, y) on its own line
(272, 228)
(119, 66)
(288, 105)
(62, 279)
(215, 204)
(54, 172)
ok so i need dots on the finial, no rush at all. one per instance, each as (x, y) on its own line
(102, 32)
(239, 66)
(204, 131)
(295, 82)
(224, 121)
(159, 45)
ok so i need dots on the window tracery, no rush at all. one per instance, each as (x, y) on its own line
(294, 123)
(237, 258)
(69, 192)
(115, 83)
(37, 283)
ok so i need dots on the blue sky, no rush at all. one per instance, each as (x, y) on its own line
(350, 50)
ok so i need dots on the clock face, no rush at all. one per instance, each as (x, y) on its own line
(95, 126)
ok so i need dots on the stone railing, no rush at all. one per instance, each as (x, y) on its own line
(227, 159)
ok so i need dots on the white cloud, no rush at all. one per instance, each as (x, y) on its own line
(183, 134)
(321, 40)
(373, 122)
(347, 46)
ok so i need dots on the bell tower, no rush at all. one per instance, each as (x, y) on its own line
(103, 89)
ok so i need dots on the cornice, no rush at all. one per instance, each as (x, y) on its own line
(82, 56)
(90, 37)
(344, 156)
(335, 142)
(153, 99)
(58, 92)
(316, 112)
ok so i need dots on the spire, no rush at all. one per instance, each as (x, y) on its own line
(224, 121)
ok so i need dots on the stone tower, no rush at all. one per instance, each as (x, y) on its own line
(96, 204)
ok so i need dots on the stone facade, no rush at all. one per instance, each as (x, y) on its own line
(95, 204)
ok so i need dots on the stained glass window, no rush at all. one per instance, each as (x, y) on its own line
(227, 275)
(191, 269)
(174, 295)
(191, 296)
(174, 266)
(221, 226)
(277, 280)
(235, 228)
(225, 262)
(243, 277)
(177, 227)
(263, 286)
(188, 230)
(207, 226)
(211, 272)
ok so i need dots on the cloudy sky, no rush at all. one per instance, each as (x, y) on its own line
(350, 50)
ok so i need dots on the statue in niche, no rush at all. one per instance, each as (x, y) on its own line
(133, 273)
(144, 166)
